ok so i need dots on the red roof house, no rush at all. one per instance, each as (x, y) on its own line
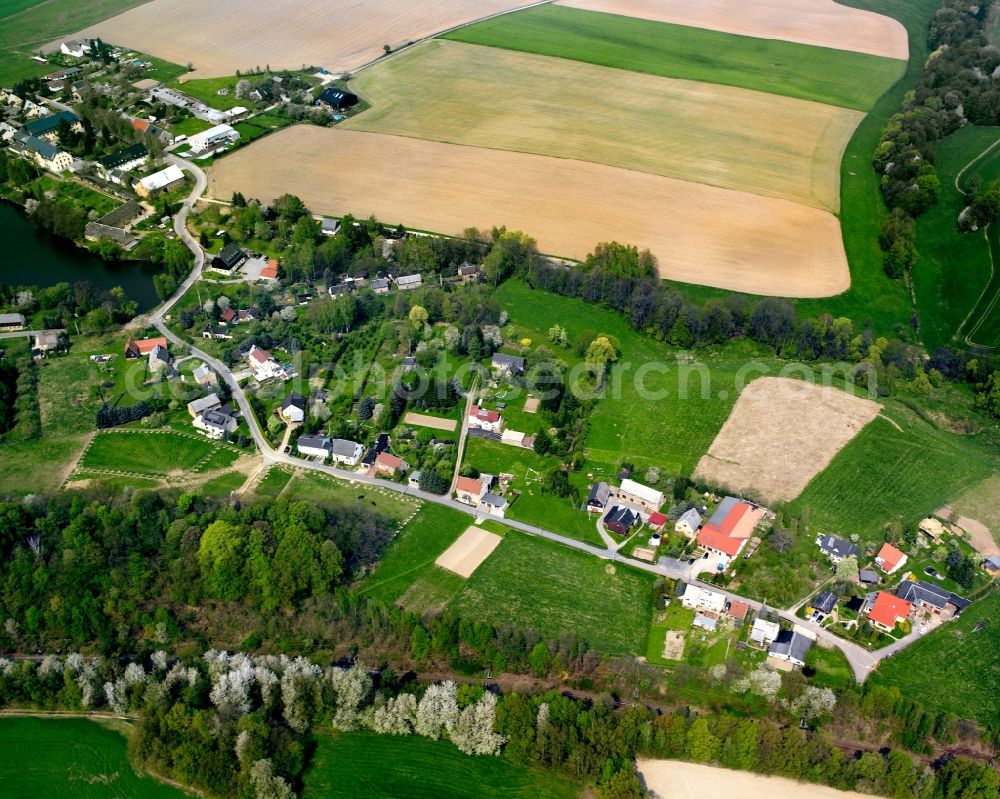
(712, 539)
(738, 610)
(482, 419)
(388, 464)
(270, 272)
(889, 558)
(657, 521)
(228, 315)
(888, 610)
(137, 348)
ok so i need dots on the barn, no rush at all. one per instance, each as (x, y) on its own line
(338, 99)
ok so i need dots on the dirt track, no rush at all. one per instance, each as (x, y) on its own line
(823, 23)
(700, 234)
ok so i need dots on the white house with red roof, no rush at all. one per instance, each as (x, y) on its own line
(137, 348)
(887, 611)
(889, 559)
(390, 465)
(729, 528)
(264, 365)
(482, 419)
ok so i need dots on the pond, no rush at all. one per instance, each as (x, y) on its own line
(37, 258)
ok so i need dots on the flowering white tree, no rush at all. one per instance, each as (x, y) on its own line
(452, 338)
(300, 692)
(223, 302)
(159, 660)
(288, 313)
(762, 682)
(492, 335)
(814, 701)
(266, 784)
(438, 708)
(352, 687)
(231, 689)
(474, 733)
(50, 664)
(84, 671)
(397, 716)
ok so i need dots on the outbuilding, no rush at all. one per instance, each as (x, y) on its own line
(338, 99)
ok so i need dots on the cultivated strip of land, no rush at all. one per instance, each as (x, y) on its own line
(824, 23)
(700, 234)
(719, 135)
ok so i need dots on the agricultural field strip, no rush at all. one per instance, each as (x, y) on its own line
(220, 38)
(767, 246)
(676, 51)
(468, 552)
(822, 23)
(460, 94)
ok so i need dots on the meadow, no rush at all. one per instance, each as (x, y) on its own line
(153, 452)
(71, 757)
(333, 493)
(835, 77)
(367, 766)
(459, 93)
(272, 483)
(531, 582)
(982, 503)
(767, 246)
(972, 659)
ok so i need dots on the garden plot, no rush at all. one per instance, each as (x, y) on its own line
(823, 23)
(782, 433)
(435, 422)
(469, 551)
(220, 38)
(700, 234)
(708, 133)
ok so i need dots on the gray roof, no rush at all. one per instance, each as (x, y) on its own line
(920, 591)
(11, 319)
(314, 442)
(791, 644)
(295, 399)
(51, 122)
(508, 361)
(994, 561)
(343, 447)
(409, 280)
(599, 494)
(825, 602)
(692, 517)
(218, 417)
(868, 576)
(205, 403)
(160, 353)
(620, 514)
(494, 501)
(380, 283)
(838, 547)
(724, 509)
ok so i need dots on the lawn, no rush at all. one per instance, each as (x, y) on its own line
(317, 488)
(222, 458)
(410, 558)
(830, 668)
(982, 503)
(71, 757)
(531, 582)
(971, 656)
(835, 77)
(223, 484)
(368, 766)
(675, 617)
(945, 292)
(273, 482)
(153, 452)
(205, 89)
(885, 474)
(80, 194)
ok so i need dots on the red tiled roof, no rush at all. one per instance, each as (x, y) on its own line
(271, 270)
(738, 609)
(261, 356)
(141, 125)
(889, 557)
(147, 345)
(711, 538)
(469, 485)
(657, 520)
(888, 608)
(228, 315)
(484, 415)
(389, 460)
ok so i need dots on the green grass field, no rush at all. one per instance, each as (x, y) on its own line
(150, 453)
(273, 482)
(885, 474)
(982, 503)
(410, 558)
(223, 484)
(10, 7)
(367, 766)
(71, 757)
(205, 89)
(333, 493)
(222, 458)
(835, 77)
(531, 582)
(113, 482)
(956, 668)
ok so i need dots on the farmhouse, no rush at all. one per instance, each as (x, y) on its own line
(598, 497)
(12, 321)
(164, 180)
(204, 376)
(724, 546)
(47, 127)
(217, 423)
(409, 282)
(927, 596)
(199, 406)
(263, 364)
(159, 358)
(213, 137)
(836, 549)
(729, 528)
(620, 519)
(482, 419)
(887, 611)
(229, 259)
(74, 48)
(763, 632)
(791, 645)
(494, 504)
(338, 99)
(293, 407)
(346, 452)
(637, 494)
(688, 523)
(471, 490)
(312, 446)
(121, 161)
(509, 365)
(702, 599)
(138, 348)
(390, 465)
(890, 559)
(46, 341)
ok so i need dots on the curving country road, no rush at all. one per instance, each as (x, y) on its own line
(861, 660)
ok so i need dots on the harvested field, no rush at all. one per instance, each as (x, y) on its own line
(823, 23)
(221, 38)
(675, 779)
(766, 246)
(781, 434)
(703, 132)
(422, 420)
(469, 551)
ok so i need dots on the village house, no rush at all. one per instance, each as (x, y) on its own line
(228, 316)
(204, 376)
(164, 180)
(12, 321)
(229, 259)
(634, 493)
(269, 272)
(494, 504)
(74, 48)
(216, 423)
(482, 419)
(329, 227)
(791, 646)
(468, 273)
(887, 611)
(42, 153)
(213, 137)
(47, 127)
(338, 99)
(160, 358)
(737, 610)
(697, 598)
(217, 332)
(311, 446)
(597, 500)
(890, 559)
(688, 523)
(836, 549)
(933, 598)
(137, 348)
(409, 282)
(264, 365)
(380, 285)
(729, 528)
(46, 341)
(823, 605)
(764, 632)
(345, 452)
(381, 445)
(112, 166)
(199, 406)
(471, 490)
(508, 365)
(390, 465)
(620, 519)
(245, 315)
(293, 408)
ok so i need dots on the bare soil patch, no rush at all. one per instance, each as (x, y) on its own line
(468, 552)
(700, 234)
(823, 23)
(220, 38)
(673, 644)
(675, 779)
(708, 133)
(982, 503)
(531, 404)
(780, 434)
(429, 421)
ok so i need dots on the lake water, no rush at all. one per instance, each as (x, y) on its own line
(34, 257)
